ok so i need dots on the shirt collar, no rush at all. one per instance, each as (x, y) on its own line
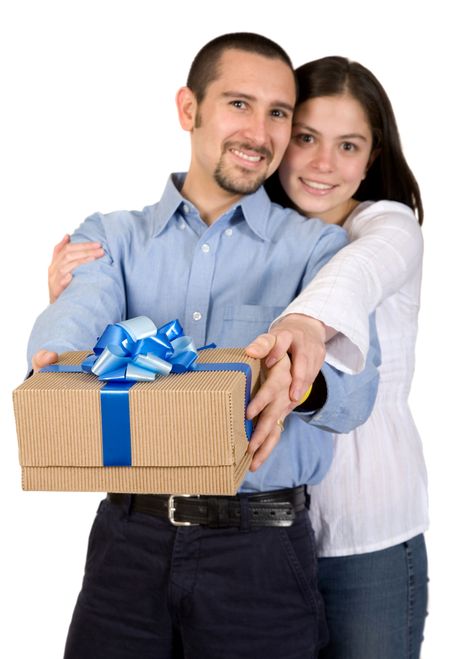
(255, 208)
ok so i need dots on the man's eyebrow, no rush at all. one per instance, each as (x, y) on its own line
(250, 97)
(310, 129)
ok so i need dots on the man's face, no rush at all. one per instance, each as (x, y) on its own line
(243, 125)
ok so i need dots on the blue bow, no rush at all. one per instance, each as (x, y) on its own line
(135, 350)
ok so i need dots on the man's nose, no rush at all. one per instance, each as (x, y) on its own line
(257, 130)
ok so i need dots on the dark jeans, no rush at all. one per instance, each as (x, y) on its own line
(376, 603)
(152, 590)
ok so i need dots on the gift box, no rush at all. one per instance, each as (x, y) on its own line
(181, 433)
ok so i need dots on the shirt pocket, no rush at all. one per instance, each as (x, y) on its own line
(243, 322)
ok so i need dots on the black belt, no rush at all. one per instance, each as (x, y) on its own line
(276, 508)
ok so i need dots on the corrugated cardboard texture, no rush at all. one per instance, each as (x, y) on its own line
(187, 431)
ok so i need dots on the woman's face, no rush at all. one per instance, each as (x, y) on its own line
(327, 157)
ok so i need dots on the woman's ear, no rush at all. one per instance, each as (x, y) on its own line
(187, 108)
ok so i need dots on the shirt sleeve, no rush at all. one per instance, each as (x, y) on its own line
(350, 398)
(386, 248)
(95, 297)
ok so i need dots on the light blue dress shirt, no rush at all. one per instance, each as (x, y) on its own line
(225, 283)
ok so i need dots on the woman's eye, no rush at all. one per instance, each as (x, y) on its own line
(349, 146)
(304, 138)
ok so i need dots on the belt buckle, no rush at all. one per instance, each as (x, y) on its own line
(171, 509)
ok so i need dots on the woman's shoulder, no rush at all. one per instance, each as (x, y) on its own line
(382, 216)
(381, 208)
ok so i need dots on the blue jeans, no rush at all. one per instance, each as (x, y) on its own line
(376, 602)
(152, 590)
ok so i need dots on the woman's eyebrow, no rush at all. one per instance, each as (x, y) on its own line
(346, 136)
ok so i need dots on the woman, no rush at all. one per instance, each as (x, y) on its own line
(345, 165)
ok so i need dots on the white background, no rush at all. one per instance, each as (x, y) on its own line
(89, 123)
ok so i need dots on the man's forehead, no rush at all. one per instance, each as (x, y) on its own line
(239, 70)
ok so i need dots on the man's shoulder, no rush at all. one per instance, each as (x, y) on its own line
(277, 223)
(287, 220)
(119, 223)
(151, 218)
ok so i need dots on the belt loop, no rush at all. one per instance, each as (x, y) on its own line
(245, 513)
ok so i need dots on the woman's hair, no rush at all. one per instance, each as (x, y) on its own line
(389, 176)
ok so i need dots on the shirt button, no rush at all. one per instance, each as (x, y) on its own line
(205, 248)
(196, 315)
(186, 209)
(228, 232)
(182, 224)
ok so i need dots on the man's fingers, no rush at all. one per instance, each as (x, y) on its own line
(266, 448)
(43, 358)
(264, 400)
(264, 428)
(261, 346)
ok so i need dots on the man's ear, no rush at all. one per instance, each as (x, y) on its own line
(187, 108)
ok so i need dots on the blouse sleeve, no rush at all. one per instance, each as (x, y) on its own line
(385, 250)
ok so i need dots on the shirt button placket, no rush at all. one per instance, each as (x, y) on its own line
(199, 291)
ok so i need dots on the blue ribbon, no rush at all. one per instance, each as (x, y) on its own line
(234, 366)
(135, 350)
(131, 351)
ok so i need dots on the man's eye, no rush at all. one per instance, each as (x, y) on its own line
(240, 105)
(278, 113)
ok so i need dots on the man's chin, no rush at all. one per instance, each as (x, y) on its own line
(239, 185)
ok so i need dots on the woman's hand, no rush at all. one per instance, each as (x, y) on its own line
(303, 338)
(66, 257)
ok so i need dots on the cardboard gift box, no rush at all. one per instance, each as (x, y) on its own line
(182, 433)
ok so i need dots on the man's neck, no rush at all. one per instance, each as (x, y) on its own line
(210, 200)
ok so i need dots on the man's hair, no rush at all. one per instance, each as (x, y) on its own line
(205, 67)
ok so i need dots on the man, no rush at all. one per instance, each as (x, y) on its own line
(215, 253)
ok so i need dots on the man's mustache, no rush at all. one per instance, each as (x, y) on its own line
(245, 146)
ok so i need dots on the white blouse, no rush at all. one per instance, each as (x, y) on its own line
(375, 493)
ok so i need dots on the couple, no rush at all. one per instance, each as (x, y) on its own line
(236, 261)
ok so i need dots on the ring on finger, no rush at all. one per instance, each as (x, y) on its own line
(280, 424)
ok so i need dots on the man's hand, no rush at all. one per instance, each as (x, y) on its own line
(273, 404)
(43, 358)
(304, 339)
(66, 257)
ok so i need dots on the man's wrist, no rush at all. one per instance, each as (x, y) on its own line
(316, 396)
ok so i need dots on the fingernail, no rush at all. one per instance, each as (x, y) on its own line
(270, 362)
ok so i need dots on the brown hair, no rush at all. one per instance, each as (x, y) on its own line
(389, 176)
(205, 67)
